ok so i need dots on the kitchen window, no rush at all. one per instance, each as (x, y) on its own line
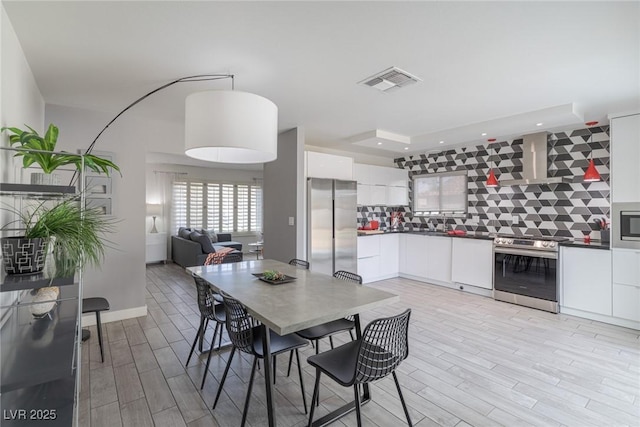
(440, 193)
(221, 207)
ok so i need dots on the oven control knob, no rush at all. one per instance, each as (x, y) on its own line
(552, 244)
(545, 244)
(498, 241)
(510, 241)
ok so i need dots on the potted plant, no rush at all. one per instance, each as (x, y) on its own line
(40, 150)
(76, 235)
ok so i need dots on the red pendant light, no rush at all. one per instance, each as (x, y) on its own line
(492, 181)
(591, 174)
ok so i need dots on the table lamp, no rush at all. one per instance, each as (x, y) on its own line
(154, 210)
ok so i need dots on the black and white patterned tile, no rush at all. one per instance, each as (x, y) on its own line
(566, 209)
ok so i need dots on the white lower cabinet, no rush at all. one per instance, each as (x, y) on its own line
(389, 255)
(438, 252)
(626, 284)
(378, 257)
(413, 257)
(586, 280)
(472, 262)
(426, 258)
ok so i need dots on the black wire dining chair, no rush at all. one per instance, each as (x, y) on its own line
(383, 346)
(299, 263)
(248, 339)
(209, 310)
(316, 333)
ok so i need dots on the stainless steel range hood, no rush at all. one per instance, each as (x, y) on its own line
(534, 162)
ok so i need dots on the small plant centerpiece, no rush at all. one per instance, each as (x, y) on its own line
(41, 150)
(273, 275)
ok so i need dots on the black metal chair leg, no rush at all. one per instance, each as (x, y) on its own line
(248, 399)
(351, 333)
(331, 341)
(100, 335)
(206, 368)
(201, 336)
(304, 397)
(220, 337)
(317, 351)
(224, 376)
(356, 395)
(274, 369)
(213, 340)
(315, 397)
(404, 405)
(290, 361)
(195, 340)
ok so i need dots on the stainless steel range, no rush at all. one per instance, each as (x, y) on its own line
(526, 271)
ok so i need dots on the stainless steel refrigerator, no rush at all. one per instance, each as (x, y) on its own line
(332, 226)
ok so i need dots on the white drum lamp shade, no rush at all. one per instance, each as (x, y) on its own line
(231, 127)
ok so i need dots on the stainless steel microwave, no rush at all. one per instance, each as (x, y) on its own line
(626, 227)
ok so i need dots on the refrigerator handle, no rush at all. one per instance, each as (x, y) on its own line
(333, 218)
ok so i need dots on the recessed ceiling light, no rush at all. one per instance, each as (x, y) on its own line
(483, 134)
(441, 142)
(379, 143)
(406, 148)
(539, 124)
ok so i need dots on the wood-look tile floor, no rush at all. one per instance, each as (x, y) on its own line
(473, 362)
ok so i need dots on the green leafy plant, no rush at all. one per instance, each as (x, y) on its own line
(273, 275)
(28, 140)
(78, 235)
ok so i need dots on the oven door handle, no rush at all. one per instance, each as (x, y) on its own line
(525, 252)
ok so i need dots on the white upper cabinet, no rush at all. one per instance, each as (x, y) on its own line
(397, 196)
(379, 185)
(321, 165)
(625, 158)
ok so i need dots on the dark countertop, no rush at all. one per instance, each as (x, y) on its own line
(579, 243)
(470, 235)
(576, 243)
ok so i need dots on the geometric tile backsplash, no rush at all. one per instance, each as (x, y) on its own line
(565, 209)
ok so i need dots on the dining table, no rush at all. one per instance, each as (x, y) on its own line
(306, 299)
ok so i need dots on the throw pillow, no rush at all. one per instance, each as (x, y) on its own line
(212, 235)
(204, 241)
(184, 232)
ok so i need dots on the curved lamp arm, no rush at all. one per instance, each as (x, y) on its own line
(197, 78)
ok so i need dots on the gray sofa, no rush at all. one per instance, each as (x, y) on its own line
(190, 247)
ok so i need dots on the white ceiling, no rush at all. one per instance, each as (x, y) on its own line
(494, 67)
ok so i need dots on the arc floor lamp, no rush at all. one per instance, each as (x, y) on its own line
(225, 126)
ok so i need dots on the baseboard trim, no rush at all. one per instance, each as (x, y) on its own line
(89, 319)
(452, 285)
(631, 324)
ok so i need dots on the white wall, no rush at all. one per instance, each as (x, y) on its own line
(121, 279)
(21, 102)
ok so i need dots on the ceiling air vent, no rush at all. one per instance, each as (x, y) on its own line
(390, 79)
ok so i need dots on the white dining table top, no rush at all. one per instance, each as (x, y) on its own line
(310, 300)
